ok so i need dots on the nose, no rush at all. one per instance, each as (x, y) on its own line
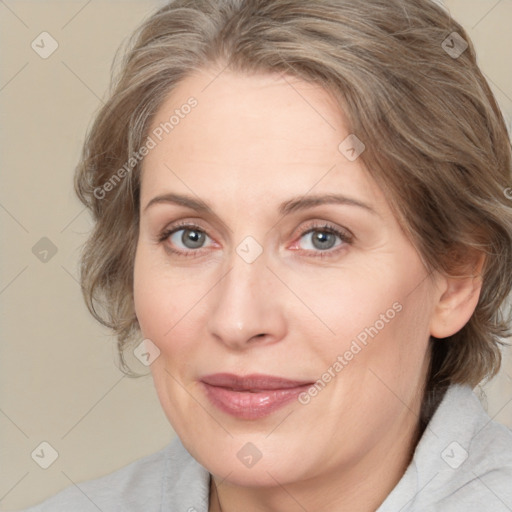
(247, 305)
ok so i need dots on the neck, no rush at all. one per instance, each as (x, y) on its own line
(361, 487)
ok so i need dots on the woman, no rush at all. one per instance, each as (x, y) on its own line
(300, 207)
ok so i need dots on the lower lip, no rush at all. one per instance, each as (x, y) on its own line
(251, 406)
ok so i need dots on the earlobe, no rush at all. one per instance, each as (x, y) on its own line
(457, 300)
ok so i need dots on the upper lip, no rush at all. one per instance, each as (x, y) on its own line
(251, 382)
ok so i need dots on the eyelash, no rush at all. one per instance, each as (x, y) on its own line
(345, 237)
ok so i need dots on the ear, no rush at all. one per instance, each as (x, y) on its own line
(457, 298)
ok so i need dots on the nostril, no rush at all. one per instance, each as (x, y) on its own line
(257, 336)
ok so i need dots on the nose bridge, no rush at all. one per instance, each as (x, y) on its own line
(246, 305)
(247, 263)
(244, 285)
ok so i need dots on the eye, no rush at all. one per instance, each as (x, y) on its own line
(190, 238)
(185, 239)
(317, 240)
(323, 239)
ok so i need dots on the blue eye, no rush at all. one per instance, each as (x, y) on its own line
(191, 238)
(325, 240)
(187, 238)
(320, 241)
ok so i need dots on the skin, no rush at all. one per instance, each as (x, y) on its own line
(252, 143)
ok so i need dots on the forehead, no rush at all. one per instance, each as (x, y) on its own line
(271, 99)
(251, 132)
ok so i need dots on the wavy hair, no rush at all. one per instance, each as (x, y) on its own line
(404, 74)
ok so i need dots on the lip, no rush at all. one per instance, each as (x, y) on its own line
(251, 396)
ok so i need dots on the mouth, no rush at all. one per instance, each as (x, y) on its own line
(251, 396)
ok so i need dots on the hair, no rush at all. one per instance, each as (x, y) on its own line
(436, 142)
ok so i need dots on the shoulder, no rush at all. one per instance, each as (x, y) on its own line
(472, 457)
(463, 462)
(483, 481)
(137, 486)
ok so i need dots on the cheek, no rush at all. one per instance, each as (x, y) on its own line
(155, 303)
(395, 357)
(352, 303)
(375, 319)
(166, 301)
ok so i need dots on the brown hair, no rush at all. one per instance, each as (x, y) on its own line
(436, 141)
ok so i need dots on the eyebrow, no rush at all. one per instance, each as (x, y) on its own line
(181, 200)
(302, 203)
(290, 206)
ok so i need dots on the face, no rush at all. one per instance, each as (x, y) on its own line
(266, 250)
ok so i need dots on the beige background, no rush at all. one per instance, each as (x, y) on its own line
(58, 379)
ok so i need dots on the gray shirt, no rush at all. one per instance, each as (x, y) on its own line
(463, 462)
